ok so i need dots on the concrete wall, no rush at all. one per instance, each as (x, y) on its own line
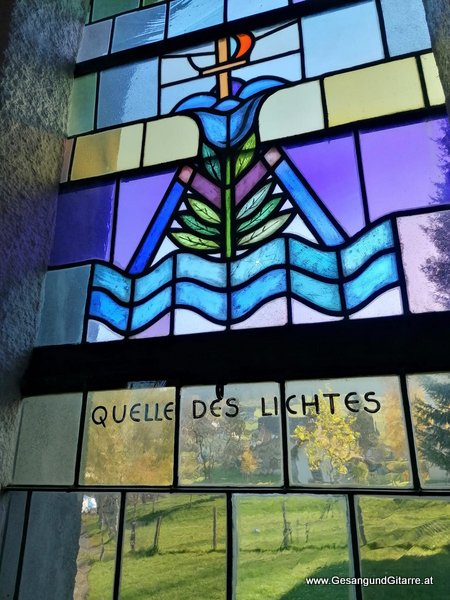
(38, 42)
(438, 17)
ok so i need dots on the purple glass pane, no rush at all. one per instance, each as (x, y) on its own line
(249, 181)
(83, 224)
(330, 167)
(403, 167)
(158, 329)
(207, 189)
(139, 198)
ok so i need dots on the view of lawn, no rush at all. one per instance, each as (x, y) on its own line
(174, 547)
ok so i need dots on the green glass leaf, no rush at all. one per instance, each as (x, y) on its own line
(192, 222)
(246, 154)
(211, 161)
(254, 201)
(193, 241)
(262, 214)
(204, 211)
(265, 231)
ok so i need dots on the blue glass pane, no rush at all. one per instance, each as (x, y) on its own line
(195, 267)
(314, 260)
(287, 67)
(153, 236)
(320, 294)
(212, 304)
(244, 8)
(379, 274)
(341, 38)
(128, 93)
(64, 304)
(148, 284)
(172, 95)
(113, 281)
(190, 15)
(145, 313)
(250, 265)
(106, 308)
(283, 40)
(368, 244)
(83, 224)
(95, 40)
(267, 286)
(406, 26)
(140, 27)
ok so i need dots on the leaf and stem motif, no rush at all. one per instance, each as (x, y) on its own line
(231, 228)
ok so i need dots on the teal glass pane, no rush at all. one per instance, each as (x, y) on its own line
(62, 312)
(13, 504)
(82, 105)
(282, 540)
(341, 38)
(107, 8)
(138, 28)
(406, 26)
(48, 437)
(128, 93)
(190, 15)
(405, 538)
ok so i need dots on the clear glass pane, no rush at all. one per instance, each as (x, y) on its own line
(405, 538)
(12, 508)
(429, 396)
(347, 432)
(129, 436)
(231, 437)
(280, 540)
(174, 547)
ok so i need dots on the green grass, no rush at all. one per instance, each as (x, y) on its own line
(409, 538)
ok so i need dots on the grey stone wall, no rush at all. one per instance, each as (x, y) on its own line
(38, 42)
(438, 17)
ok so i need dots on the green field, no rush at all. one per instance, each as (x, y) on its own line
(273, 552)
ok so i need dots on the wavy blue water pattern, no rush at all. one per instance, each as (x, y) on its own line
(243, 269)
(205, 271)
(264, 288)
(113, 281)
(212, 304)
(308, 206)
(379, 274)
(319, 293)
(355, 255)
(105, 307)
(320, 262)
(147, 284)
(146, 312)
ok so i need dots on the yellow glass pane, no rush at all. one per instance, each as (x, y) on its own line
(128, 437)
(431, 74)
(170, 139)
(374, 91)
(107, 152)
(291, 111)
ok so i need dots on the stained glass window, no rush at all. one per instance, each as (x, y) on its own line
(263, 173)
